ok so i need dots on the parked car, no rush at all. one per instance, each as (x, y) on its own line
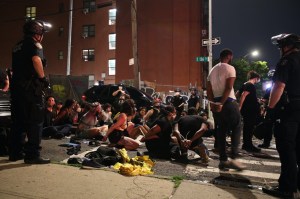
(103, 94)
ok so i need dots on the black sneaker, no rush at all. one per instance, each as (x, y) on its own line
(264, 145)
(252, 149)
(37, 160)
(17, 157)
(275, 191)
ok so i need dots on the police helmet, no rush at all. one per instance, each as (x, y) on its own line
(284, 39)
(271, 73)
(193, 89)
(177, 90)
(38, 27)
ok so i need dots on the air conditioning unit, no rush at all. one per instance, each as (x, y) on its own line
(85, 11)
(84, 35)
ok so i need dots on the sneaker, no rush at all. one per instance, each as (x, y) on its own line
(202, 151)
(264, 145)
(275, 191)
(90, 164)
(37, 160)
(231, 164)
(251, 149)
(16, 157)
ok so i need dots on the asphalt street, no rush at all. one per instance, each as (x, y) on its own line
(262, 168)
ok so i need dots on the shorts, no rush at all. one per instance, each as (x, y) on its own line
(115, 136)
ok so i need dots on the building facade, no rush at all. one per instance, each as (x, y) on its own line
(94, 37)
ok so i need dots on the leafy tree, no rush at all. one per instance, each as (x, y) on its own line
(243, 66)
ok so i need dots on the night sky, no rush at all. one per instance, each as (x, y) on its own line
(246, 25)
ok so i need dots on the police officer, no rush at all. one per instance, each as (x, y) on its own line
(284, 110)
(178, 102)
(194, 99)
(27, 92)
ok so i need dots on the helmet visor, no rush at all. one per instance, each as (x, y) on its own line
(46, 26)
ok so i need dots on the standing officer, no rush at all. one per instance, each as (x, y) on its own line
(284, 111)
(27, 92)
(194, 99)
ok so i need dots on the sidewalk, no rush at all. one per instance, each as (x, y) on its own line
(19, 180)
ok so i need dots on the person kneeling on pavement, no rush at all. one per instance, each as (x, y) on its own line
(191, 128)
(159, 141)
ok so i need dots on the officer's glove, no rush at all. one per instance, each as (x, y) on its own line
(270, 114)
(45, 83)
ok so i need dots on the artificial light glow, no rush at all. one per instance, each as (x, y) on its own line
(268, 85)
(255, 53)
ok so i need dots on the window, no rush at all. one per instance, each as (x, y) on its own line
(111, 67)
(88, 55)
(112, 41)
(60, 55)
(89, 5)
(88, 31)
(112, 14)
(31, 13)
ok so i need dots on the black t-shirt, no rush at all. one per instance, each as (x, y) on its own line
(22, 54)
(48, 118)
(166, 129)
(250, 105)
(188, 125)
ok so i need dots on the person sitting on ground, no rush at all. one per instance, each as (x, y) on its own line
(49, 129)
(139, 116)
(106, 115)
(66, 113)
(153, 114)
(88, 124)
(117, 133)
(58, 106)
(120, 96)
(159, 141)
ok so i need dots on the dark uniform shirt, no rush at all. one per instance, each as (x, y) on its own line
(288, 72)
(193, 100)
(22, 64)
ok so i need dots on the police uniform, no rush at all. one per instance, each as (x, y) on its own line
(287, 125)
(26, 101)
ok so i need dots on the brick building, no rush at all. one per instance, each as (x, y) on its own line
(99, 42)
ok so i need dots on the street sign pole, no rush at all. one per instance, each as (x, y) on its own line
(209, 47)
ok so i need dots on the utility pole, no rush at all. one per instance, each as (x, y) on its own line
(135, 44)
(70, 38)
(209, 47)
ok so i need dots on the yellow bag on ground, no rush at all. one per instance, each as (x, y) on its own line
(139, 165)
